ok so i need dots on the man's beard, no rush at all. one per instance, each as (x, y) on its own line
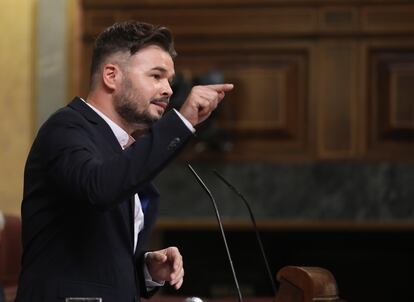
(127, 107)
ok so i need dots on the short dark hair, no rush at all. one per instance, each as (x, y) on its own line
(129, 36)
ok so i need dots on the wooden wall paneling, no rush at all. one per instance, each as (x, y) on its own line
(224, 21)
(96, 20)
(85, 58)
(379, 19)
(338, 19)
(390, 105)
(313, 99)
(239, 3)
(362, 106)
(337, 99)
(210, 21)
(401, 95)
(239, 43)
(310, 57)
(266, 114)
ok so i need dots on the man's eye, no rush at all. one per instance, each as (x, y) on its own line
(156, 76)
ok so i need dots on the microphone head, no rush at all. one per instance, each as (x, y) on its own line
(193, 299)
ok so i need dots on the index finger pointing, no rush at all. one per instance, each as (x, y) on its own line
(221, 87)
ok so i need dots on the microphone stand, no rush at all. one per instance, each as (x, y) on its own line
(202, 184)
(259, 240)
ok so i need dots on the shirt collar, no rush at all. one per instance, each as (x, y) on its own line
(121, 135)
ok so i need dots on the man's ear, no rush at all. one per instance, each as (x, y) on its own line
(111, 75)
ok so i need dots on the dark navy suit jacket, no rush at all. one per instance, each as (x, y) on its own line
(77, 206)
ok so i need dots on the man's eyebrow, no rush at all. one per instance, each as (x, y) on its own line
(159, 68)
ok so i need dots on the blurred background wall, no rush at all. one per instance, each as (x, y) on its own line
(35, 53)
(17, 59)
(318, 134)
(320, 125)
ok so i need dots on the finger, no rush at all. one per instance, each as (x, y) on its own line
(177, 274)
(175, 259)
(214, 103)
(157, 257)
(177, 264)
(178, 279)
(220, 87)
(221, 96)
(177, 270)
(204, 106)
(178, 284)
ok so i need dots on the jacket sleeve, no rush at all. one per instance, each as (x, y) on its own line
(70, 158)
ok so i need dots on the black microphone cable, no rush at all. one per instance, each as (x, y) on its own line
(259, 240)
(202, 184)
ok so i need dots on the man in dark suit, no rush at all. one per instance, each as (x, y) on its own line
(88, 203)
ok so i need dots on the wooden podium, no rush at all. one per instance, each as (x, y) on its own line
(306, 284)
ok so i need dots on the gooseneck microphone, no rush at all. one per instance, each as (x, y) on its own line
(259, 240)
(203, 185)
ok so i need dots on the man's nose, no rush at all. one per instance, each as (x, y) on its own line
(167, 90)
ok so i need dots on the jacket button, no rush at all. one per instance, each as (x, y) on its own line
(174, 143)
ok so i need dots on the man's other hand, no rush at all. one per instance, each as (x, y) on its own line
(166, 265)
